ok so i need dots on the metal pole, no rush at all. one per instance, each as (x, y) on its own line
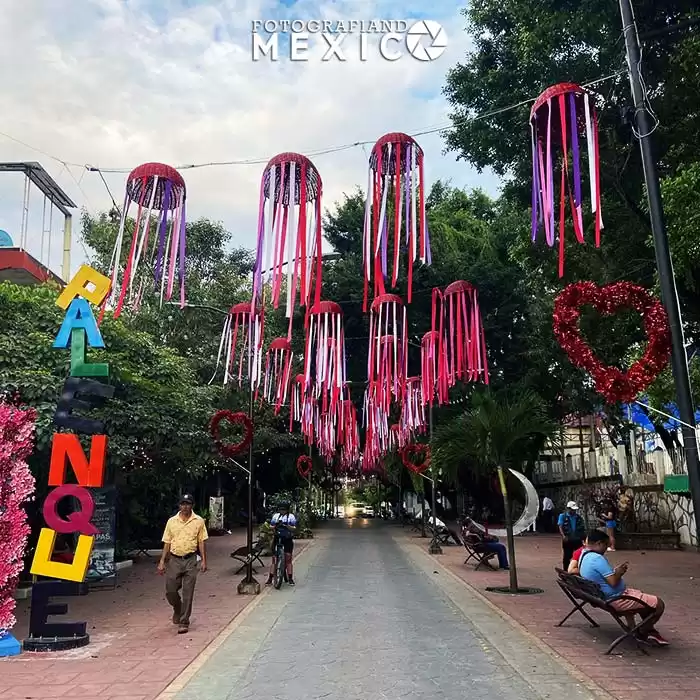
(249, 585)
(435, 547)
(669, 293)
(67, 237)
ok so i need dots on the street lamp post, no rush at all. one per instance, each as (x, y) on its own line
(435, 547)
(669, 293)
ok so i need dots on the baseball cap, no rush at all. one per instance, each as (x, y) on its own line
(573, 505)
(187, 498)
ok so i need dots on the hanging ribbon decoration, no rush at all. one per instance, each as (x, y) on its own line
(413, 420)
(377, 433)
(289, 232)
(462, 335)
(240, 346)
(396, 182)
(433, 361)
(350, 438)
(159, 190)
(387, 361)
(564, 112)
(278, 372)
(324, 356)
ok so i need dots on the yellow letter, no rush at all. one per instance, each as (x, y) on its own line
(78, 287)
(43, 566)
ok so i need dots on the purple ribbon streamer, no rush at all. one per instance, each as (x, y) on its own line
(163, 230)
(384, 236)
(535, 185)
(407, 190)
(183, 247)
(575, 150)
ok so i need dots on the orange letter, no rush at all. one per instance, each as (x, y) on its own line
(66, 448)
(78, 287)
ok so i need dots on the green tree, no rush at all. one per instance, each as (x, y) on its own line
(498, 431)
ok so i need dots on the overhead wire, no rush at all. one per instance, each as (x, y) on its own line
(453, 123)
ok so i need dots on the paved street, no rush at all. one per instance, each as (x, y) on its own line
(372, 618)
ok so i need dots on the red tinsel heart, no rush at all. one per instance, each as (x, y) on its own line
(229, 449)
(304, 465)
(416, 457)
(611, 382)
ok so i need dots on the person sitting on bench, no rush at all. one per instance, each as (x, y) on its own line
(486, 542)
(594, 567)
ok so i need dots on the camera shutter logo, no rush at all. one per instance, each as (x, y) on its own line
(426, 40)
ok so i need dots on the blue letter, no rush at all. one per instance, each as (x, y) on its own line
(79, 315)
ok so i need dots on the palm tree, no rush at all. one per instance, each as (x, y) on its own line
(497, 431)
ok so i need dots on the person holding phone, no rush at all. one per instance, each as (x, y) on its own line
(594, 567)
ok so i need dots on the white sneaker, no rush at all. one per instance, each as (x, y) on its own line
(611, 549)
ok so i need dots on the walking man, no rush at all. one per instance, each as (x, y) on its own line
(572, 530)
(547, 514)
(184, 537)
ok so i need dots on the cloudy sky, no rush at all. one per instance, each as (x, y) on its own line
(114, 83)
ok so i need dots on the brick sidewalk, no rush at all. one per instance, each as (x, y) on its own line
(135, 651)
(666, 674)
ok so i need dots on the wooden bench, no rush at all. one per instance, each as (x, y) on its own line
(582, 592)
(244, 557)
(475, 550)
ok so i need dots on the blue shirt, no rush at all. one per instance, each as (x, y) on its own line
(595, 567)
(572, 524)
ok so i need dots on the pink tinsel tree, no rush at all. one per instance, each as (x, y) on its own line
(16, 486)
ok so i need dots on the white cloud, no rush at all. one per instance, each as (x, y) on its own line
(120, 82)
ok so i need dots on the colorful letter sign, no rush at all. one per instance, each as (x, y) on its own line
(81, 392)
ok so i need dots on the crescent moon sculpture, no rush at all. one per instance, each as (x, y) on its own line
(530, 511)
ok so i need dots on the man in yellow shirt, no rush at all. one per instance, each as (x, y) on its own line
(184, 536)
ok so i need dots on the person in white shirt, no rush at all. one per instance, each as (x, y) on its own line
(547, 514)
(284, 524)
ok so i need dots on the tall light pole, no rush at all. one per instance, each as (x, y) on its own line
(435, 547)
(669, 293)
(249, 585)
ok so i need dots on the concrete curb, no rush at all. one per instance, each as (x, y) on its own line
(186, 675)
(415, 552)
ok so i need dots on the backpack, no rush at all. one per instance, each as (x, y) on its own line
(578, 531)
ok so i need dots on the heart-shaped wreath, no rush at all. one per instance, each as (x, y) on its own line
(415, 457)
(611, 382)
(229, 449)
(304, 465)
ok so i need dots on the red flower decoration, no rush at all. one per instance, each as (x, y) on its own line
(611, 382)
(415, 457)
(304, 465)
(227, 449)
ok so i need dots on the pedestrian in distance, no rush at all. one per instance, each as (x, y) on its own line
(572, 530)
(184, 556)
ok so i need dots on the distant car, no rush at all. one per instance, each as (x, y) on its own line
(355, 510)
(367, 512)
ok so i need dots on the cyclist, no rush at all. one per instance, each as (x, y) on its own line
(284, 524)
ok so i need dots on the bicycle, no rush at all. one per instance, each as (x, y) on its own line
(280, 573)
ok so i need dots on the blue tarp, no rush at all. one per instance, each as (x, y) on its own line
(635, 413)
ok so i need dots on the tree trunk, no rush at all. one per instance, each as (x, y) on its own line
(509, 533)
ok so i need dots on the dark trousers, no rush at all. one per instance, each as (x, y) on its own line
(500, 550)
(547, 521)
(180, 573)
(568, 548)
